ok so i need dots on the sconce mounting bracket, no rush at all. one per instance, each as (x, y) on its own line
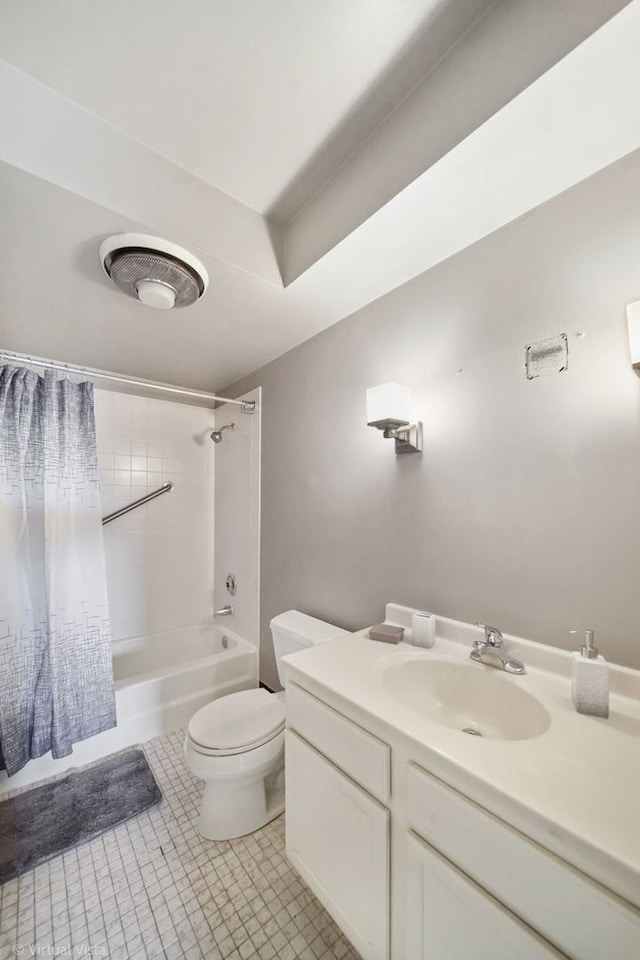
(409, 439)
(408, 436)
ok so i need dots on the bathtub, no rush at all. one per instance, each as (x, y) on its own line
(163, 679)
(160, 682)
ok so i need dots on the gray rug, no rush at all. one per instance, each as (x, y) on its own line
(48, 820)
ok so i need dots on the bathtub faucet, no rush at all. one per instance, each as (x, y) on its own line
(224, 611)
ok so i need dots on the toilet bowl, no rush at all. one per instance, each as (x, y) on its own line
(236, 743)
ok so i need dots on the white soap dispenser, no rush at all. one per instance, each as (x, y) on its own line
(590, 679)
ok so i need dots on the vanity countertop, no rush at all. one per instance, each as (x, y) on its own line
(574, 789)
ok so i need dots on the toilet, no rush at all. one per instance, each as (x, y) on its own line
(236, 743)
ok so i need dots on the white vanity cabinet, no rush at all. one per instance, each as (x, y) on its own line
(427, 844)
(449, 917)
(518, 882)
(337, 832)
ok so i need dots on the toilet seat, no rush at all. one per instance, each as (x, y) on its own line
(237, 723)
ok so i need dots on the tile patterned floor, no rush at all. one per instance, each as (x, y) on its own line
(153, 887)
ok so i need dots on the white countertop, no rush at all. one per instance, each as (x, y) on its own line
(575, 789)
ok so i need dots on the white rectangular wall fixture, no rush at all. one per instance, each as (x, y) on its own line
(547, 356)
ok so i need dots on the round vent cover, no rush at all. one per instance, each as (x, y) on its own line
(154, 271)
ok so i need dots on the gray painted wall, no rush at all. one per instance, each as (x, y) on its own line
(524, 509)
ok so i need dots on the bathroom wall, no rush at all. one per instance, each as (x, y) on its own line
(159, 557)
(237, 511)
(524, 509)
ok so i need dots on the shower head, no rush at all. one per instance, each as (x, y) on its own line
(216, 436)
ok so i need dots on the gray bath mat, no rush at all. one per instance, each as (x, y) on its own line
(48, 820)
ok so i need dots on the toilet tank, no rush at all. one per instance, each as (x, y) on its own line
(293, 631)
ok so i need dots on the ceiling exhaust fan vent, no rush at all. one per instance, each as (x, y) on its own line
(154, 271)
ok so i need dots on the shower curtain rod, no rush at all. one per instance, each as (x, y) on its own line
(6, 356)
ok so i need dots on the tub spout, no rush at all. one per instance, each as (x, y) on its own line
(224, 611)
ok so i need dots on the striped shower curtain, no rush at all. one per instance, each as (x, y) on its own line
(56, 678)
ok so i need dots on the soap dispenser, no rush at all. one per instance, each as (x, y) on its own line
(590, 679)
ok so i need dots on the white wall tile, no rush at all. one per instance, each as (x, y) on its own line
(238, 510)
(159, 558)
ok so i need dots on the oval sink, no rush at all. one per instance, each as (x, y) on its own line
(470, 697)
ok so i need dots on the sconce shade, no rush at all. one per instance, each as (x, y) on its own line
(633, 323)
(389, 410)
(388, 402)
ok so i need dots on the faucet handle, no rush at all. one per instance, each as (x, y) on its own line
(492, 635)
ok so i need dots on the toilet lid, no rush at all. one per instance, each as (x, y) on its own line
(239, 720)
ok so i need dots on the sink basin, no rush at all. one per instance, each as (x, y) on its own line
(470, 697)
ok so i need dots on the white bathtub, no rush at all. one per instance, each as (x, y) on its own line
(160, 680)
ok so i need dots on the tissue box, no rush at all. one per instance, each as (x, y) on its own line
(423, 629)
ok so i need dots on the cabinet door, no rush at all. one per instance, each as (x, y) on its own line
(338, 840)
(449, 917)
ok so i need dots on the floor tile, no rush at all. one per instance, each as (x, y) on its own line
(154, 888)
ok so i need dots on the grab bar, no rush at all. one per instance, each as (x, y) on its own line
(165, 488)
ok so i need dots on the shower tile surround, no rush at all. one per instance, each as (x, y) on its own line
(153, 887)
(159, 558)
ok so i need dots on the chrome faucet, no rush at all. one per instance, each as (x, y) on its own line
(491, 652)
(224, 611)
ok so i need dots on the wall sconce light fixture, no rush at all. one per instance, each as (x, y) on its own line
(633, 322)
(389, 410)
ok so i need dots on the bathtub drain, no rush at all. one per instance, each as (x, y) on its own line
(471, 731)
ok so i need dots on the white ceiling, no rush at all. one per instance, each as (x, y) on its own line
(242, 94)
(314, 154)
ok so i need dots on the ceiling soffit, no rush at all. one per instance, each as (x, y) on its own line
(489, 134)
